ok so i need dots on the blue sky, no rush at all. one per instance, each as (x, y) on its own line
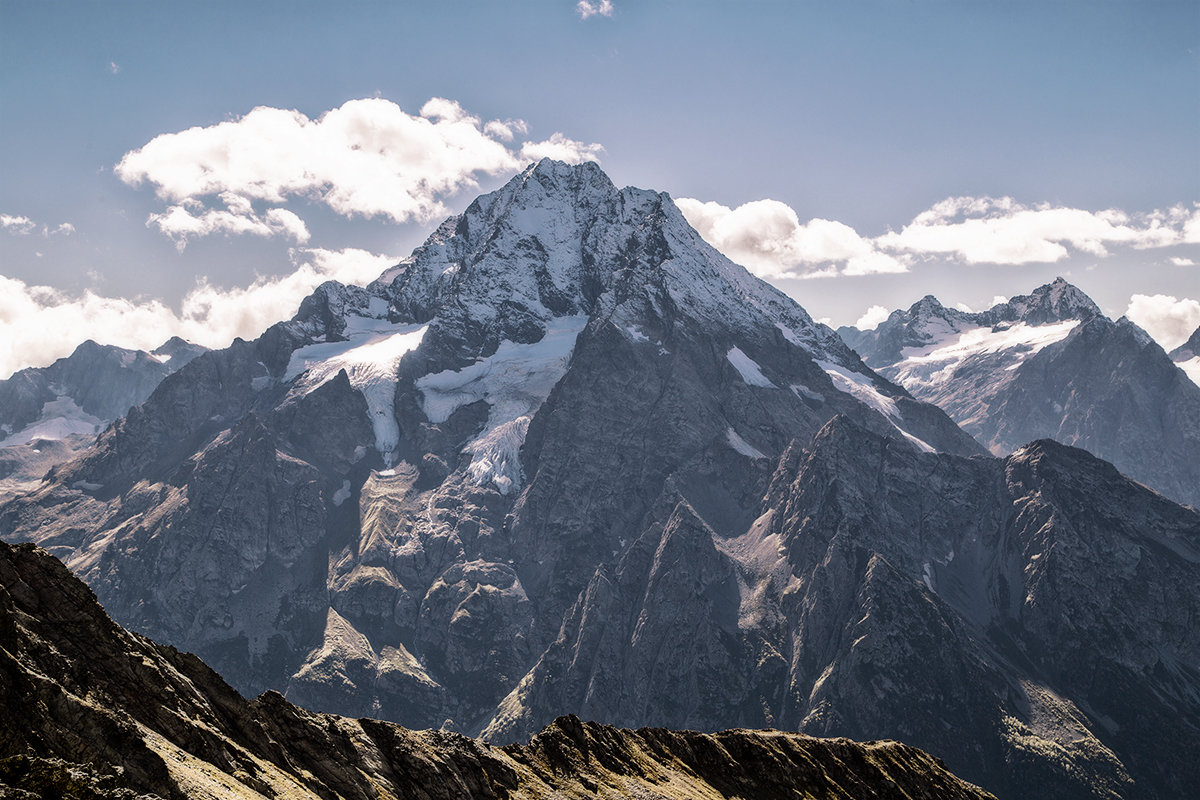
(861, 116)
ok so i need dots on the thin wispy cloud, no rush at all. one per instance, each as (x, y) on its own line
(191, 218)
(600, 8)
(768, 237)
(20, 225)
(368, 158)
(39, 324)
(1170, 320)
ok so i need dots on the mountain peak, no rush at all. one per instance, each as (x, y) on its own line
(1056, 301)
(550, 167)
(926, 305)
(561, 240)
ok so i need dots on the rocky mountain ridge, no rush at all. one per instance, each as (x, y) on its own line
(1049, 365)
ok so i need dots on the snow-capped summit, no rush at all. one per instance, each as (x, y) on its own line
(561, 240)
(1057, 301)
(928, 325)
(506, 288)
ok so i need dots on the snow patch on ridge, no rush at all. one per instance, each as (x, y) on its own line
(60, 418)
(741, 445)
(748, 368)
(514, 381)
(861, 388)
(803, 391)
(1191, 368)
(936, 363)
(371, 357)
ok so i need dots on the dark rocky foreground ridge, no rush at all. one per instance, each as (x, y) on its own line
(89, 710)
(568, 458)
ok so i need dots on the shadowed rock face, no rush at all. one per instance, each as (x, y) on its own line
(1010, 616)
(89, 710)
(567, 458)
(1049, 365)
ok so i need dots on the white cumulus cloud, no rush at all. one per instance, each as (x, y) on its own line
(1170, 320)
(978, 230)
(367, 158)
(586, 8)
(871, 318)
(1179, 261)
(39, 324)
(767, 237)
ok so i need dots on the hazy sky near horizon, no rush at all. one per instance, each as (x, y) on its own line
(196, 168)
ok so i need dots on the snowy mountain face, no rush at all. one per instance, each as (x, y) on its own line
(543, 466)
(1187, 357)
(949, 335)
(1049, 365)
(49, 414)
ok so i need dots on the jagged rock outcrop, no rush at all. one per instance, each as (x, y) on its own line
(49, 414)
(88, 710)
(1049, 365)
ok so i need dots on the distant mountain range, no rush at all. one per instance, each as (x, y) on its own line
(1050, 365)
(568, 458)
(49, 414)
